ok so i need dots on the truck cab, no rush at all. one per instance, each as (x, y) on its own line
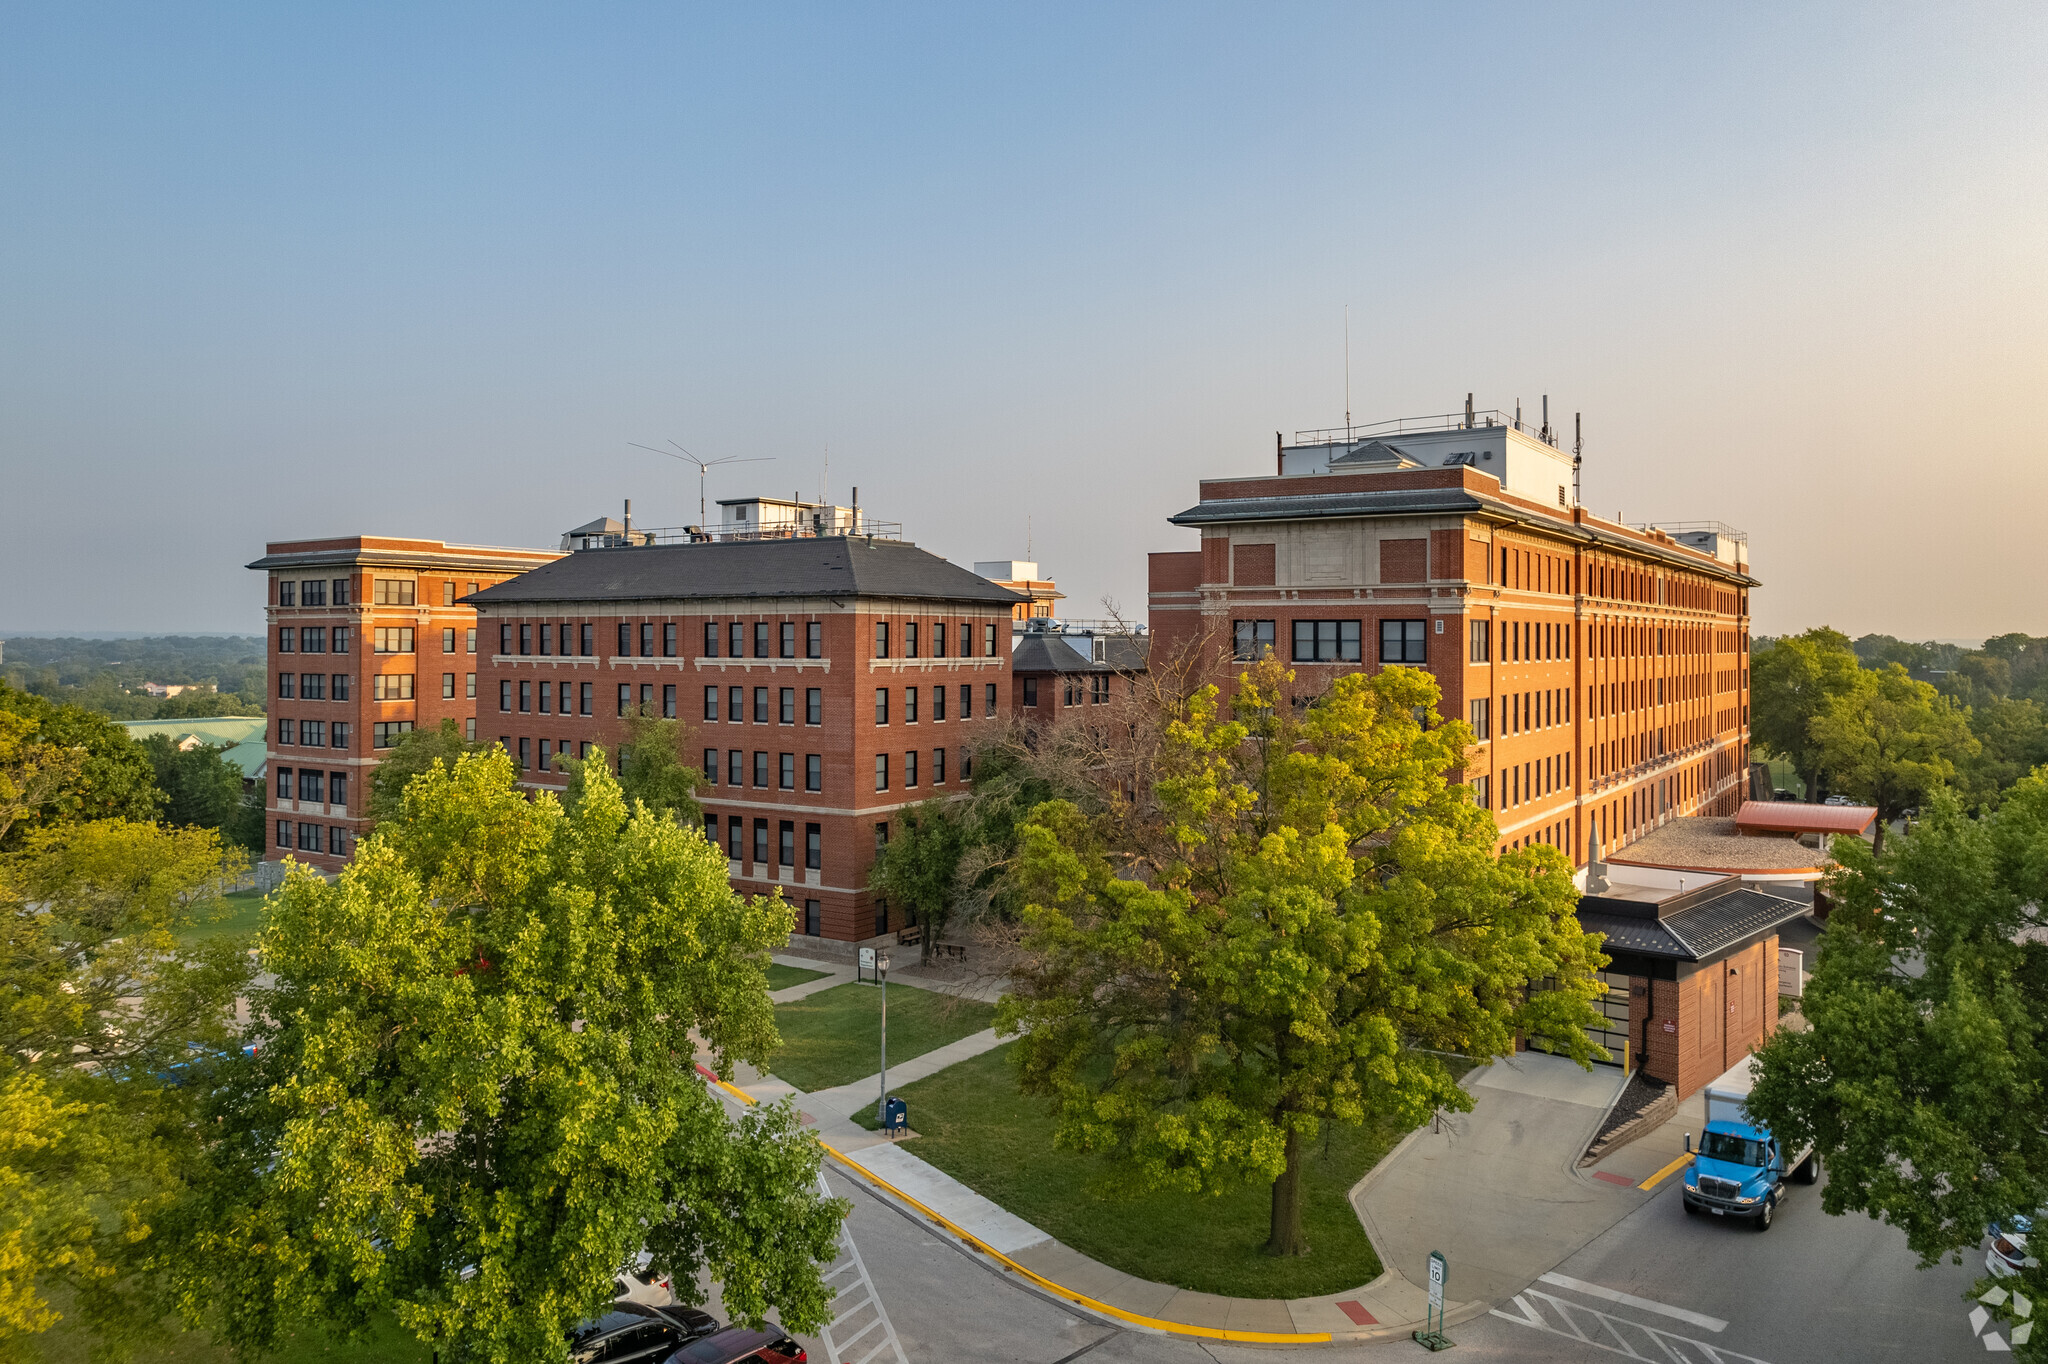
(1740, 1169)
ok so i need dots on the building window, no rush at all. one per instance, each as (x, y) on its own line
(504, 638)
(287, 731)
(1404, 641)
(386, 733)
(392, 592)
(1482, 792)
(814, 848)
(469, 686)
(966, 700)
(814, 919)
(735, 837)
(881, 639)
(814, 706)
(735, 768)
(786, 772)
(547, 698)
(668, 702)
(525, 754)
(313, 592)
(448, 641)
(310, 785)
(1482, 641)
(760, 843)
(910, 705)
(1031, 691)
(341, 639)
(711, 766)
(938, 704)
(337, 735)
(505, 697)
(711, 703)
(881, 706)
(910, 639)
(938, 767)
(989, 641)
(281, 779)
(881, 834)
(447, 686)
(711, 830)
(287, 640)
(760, 705)
(287, 683)
(341, 591)
(814, 639)
(313, 640)
(625, 649)
(625, 698)
(647, 698)
(309, 838)
(814, 772)
(468, 729)
(1326, 641)
(787, 700)
(788, 639)
(337, 790)
(668, 640)
(525, 697)
(910, 769)
(284, 835)
(547, 636)
(881, 770)
(398, 687)
(760, 769)
(760, 639)
(338, 686)
(1251, 640)
(990, 697)
(736, 705)
(393, 639)
(938, 639)
(646, 639)
(287, 593)
(583, 695)
(736, 640)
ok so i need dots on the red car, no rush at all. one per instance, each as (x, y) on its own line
(738, 1345)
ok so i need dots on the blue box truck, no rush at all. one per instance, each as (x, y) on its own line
(1740, 1169)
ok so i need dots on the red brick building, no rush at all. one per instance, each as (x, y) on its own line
(1058, 666)
(1603, 667)
(831, 681)
(369, 637)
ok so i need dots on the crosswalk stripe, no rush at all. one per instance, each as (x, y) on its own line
(1699, 1319)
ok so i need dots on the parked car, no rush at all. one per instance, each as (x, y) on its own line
(637, 1285)
(2008, 1252)
(1782, 794)
(1838, 800)
(635, 1333)
(738, 1345)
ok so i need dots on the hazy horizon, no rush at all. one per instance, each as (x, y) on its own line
(1027, 275)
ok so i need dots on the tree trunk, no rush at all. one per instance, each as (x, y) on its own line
(1285, 1236)
(1877, 844)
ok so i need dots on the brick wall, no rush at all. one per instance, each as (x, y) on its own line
(1404, 561)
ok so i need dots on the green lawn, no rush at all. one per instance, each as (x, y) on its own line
(244, 914)
(833, 1037)
(781, 977)
(973, 1124)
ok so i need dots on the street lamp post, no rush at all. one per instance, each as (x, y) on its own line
(882, 1104)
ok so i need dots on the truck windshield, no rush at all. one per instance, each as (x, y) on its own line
(1733, 1149)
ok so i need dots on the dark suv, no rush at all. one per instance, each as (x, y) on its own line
(738, 1345)
(633, 1332)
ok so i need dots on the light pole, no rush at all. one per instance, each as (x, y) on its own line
(704, 467)
(882, 1104)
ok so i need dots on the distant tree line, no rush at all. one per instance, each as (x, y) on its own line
(107, 675)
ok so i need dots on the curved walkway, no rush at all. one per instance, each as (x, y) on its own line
(1496, 1190)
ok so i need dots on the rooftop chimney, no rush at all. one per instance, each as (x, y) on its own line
(1468, 412)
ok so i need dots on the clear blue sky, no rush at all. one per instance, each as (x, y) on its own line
(279, 271)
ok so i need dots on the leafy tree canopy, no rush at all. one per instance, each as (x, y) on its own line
(100, 1012)
(201, 788)
(919, 867)
(1922, 1080)
(114, 779)
(1792, 680)
(1309, 905)
(1890, 741)
(655, 768)
(413, 754)
(474, 1098)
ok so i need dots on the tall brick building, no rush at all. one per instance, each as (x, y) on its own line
(1603, 667)
(369, 637)
(831, 680)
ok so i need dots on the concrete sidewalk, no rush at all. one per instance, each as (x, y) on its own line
(841, 1100)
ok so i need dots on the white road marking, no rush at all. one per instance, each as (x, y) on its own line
(1699, 1319)
(1616, 1335)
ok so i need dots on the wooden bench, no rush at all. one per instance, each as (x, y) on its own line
(912, 936)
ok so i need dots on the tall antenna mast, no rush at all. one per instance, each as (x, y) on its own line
(1578, 454)
(1347, 372)
(704, 466)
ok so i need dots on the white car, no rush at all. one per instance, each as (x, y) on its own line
(2008, 1253)
(635, 1285)
(1836, 800)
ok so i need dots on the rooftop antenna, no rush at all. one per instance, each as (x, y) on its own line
(1027, 535)
(704, 466)
(1347, 373)
(1468, 412)
(1578, 448)
(825, 479)
(1549, 436)
(1518, 414)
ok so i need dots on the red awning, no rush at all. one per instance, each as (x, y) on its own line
(1790, 817)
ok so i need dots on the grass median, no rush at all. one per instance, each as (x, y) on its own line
(834, 1036)
(973, 1124)
(781, 977)
(239, 913)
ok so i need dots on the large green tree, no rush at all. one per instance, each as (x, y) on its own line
(1890, 741)
(414, 753)
(920, 865)
(1281, 933)
(1791, 680)
(102, 1013)
(201, 788)
(474, 1099)
(114, 778)
(1922, 1079)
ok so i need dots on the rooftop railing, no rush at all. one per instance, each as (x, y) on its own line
(1445, 421)
(722, 535)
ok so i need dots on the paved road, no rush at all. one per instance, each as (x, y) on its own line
(1812, 1289)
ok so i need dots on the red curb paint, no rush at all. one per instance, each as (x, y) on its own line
(1356, 1311)
(1614, 1179)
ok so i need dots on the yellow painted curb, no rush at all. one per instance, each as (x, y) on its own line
(1057, 1290)
(1654, 1180)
